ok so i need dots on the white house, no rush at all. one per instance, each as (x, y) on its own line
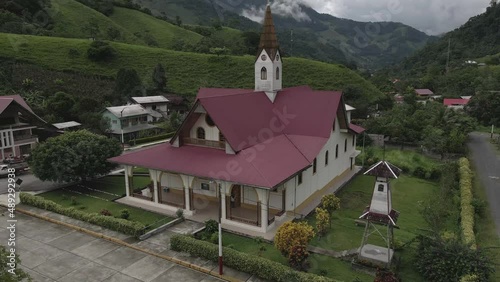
(257, 153)
(157, 106)
(127, 121)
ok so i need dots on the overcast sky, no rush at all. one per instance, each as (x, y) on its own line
(430, 16)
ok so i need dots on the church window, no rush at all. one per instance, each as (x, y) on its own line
(277, 73)
(381, 187)
(263, 74)
(315, 167)
(326, 158)
(200, 133)
(337, 151)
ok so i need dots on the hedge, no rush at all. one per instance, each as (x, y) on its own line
(116, 224)
(263, 268)
(151, 139)
(467, 209)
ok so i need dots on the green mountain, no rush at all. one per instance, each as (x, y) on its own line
(315, 36)
(478, 38)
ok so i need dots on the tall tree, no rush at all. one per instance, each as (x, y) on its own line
(128, 84)
(159, 77)
(74, 156)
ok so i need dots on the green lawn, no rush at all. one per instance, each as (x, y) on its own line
(334, 268)
(94, 201)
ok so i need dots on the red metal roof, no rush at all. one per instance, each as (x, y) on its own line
(457, 102)
(273, 141)
(356, 128)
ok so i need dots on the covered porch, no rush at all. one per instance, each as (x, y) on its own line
(245, 208)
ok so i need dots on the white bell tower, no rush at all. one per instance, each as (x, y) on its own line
(268, 65)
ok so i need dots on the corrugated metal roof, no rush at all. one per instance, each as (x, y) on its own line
(127, 111)
(150, 99)
(64, 125)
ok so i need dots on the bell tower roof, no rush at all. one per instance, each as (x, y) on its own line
(268, 38)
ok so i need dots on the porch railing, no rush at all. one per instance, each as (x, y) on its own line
(205, 143)
(244, 220)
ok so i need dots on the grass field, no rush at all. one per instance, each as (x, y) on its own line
(70, 16)
(163, 32)
(100, 196)
(186, 72)
(404, 158)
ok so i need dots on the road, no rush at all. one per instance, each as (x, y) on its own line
(30, 183)
(51, 252)
(487, 164)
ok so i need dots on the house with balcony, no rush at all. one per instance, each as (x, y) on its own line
(127, 122)
(157, 106)
(261, 156)
(17, 122)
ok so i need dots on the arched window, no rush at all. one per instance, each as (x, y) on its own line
(200, 133)
(315, 167)
(209, 120)
(337, 151)
(277, 73)
(222, 138)
(326, 158)
(353, 140)
(345, 145)
(263, 73)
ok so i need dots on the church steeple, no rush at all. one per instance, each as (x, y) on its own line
(268, 66)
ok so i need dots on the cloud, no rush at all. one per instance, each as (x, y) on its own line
(430, 16)
(285, 8)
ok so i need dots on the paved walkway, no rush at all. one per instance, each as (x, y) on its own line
(84, 252)
(487, 165)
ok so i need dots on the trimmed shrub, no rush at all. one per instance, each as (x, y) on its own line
(105, 212)
(151, 139)
(467, 210)
(125, 214)
(292, 234)
(117, 224)
(263, 268)
(211, 226)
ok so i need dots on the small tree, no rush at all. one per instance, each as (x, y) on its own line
(8, 275)
(297, 257)
(159, 77)
(91, 28)
(73, 157)
(293, 234)
(100, 51)
(113, 33)
(330, 203)
(322, 220)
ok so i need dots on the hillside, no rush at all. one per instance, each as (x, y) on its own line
(186, 72)
(479, 37)
(316, 36)
(143, 25)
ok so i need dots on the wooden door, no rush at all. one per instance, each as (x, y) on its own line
(236, 193)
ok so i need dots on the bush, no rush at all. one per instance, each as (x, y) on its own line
(467, 209)
(297, 256)
(385, 276)
(261, 267)
(450, 260)
(214, 238)
(100, 51)
(292, 234)
(116, 224)
(479, 206)
(322, 220)
(125, 214)
(179, 213)
(105, 212)
(419, 172)
(74, 202)
(211, 226)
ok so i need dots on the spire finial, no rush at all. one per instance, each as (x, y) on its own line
(268, 3)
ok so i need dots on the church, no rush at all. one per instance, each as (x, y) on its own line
(254, 157)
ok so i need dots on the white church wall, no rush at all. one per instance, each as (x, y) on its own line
(211, 132)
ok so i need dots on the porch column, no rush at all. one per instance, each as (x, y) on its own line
(187, 198)
(127, 184)
(155, 186)
(264, 200)
(223, 201)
